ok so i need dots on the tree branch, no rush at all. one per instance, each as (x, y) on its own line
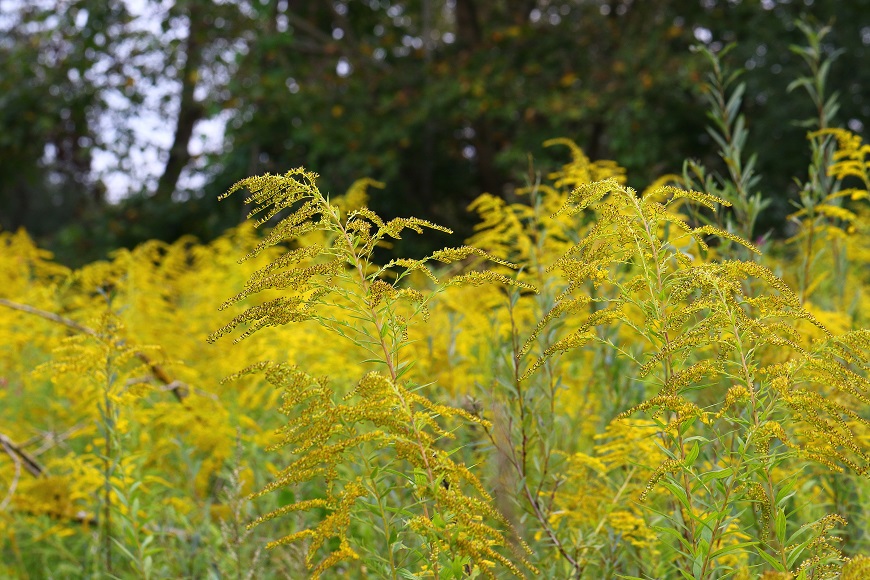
(189, 110)
(21, 457)
(178, 388)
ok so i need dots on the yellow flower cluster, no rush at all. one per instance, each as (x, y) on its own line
(593, 367)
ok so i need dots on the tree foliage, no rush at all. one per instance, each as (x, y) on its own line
(446, 98)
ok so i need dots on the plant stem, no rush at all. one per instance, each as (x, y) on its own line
(389, 361)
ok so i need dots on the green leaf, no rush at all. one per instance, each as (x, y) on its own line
(681, 496)
(715, 475)
(801, 82)
(797, 551)
(799, 532)
(823, 72)
(730, 548)
(780, 525)
(777, 565)
(669, 532)
(733, 105)
(406, 366)
(692, 455)
(124, 550)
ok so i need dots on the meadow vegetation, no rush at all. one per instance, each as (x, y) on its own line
(600, 383)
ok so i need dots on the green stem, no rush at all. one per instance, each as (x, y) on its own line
(658, 293)
(391, 366)
(383, 513)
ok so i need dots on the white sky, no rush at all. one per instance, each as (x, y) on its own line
(152, 123)
(153, 129)
(154, 134)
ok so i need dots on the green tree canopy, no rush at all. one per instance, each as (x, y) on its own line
(441, 99)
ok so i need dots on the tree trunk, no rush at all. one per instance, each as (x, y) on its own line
(470, 36)
(189, 110)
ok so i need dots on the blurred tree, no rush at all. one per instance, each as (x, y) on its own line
(764, 34)
(442, 99)
(56, 69)
(78, 81)
(209, 39)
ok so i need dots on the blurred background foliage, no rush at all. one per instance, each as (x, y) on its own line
(440, 99)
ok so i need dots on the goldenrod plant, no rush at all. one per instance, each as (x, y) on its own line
(724, 97)
(737, 403)
(374, 448)
(534, 424)
(602, 383)
(825, 227)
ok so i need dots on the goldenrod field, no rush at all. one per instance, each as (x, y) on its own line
(600, 383)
